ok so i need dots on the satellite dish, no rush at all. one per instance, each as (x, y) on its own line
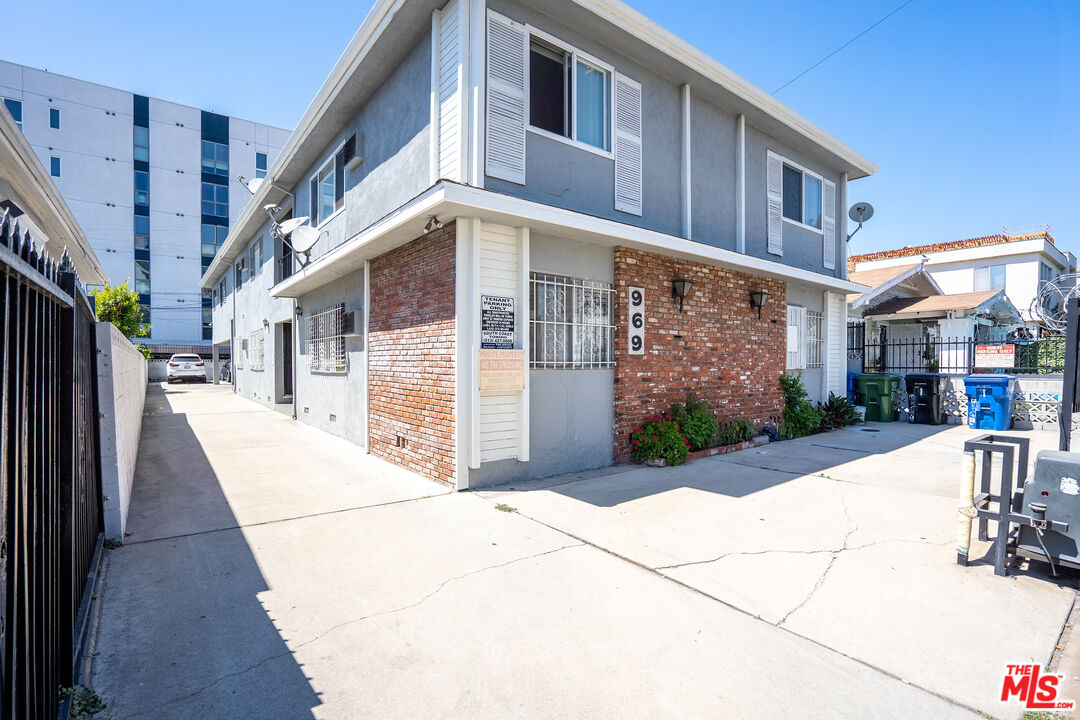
(303, 238)
(254, 185)
(861, 212)
(289, 226)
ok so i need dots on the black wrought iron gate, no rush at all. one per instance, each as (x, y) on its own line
(50, 487)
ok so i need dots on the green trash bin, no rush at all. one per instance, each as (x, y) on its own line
(877, 392)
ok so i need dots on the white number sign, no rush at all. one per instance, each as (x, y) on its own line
(635, 332)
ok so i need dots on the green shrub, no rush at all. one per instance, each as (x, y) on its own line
(659, 438)
(732, 432)
(837, 413)
(801, 418)
(696, 422)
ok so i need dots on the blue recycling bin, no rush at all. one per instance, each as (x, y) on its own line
(990, 401)
(853, 387)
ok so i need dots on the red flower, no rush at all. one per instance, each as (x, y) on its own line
(653, 437)
(655, 418)
(635, 442)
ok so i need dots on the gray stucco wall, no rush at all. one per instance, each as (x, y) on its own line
(575, 178)
(802, 247)
(394, 124)
(712, 197)
(334, 402)
(571, 412)
(256, 311)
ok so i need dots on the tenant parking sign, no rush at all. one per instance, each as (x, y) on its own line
(496, 322)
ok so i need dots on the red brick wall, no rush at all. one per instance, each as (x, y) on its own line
(725, 356)
(411, 355)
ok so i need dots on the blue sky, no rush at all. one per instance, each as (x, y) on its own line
(970, 108)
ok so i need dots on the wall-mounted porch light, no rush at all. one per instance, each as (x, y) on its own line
(433, 223)
(758, 298)
(679, 288)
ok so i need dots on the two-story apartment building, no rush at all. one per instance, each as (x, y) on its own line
(538, 224)
(1016, 262)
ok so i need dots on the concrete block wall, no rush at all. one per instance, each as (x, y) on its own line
(716, 348)
(412, 349)
(122, 375)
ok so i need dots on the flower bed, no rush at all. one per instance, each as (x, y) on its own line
(688, 432)
(707, 452)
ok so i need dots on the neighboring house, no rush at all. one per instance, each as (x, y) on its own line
(905, 304)
(153, 183)
(30, 198)
(538, 225)
(1016, 262)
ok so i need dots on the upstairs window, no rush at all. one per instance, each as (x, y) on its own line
(327, 189)
(215, 158)
(15, 108)
(54, 118)
(569, 94)
(142, 188)
(990, 278)
(215, 200)
(260, 165)
(54, 166)
(142, 232)
(141, 144)
(802, 196)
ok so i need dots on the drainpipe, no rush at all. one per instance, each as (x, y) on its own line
(233, 347)
(295, 325)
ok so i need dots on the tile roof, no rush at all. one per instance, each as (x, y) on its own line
(879, 276)
(997, 239)
(934, 303)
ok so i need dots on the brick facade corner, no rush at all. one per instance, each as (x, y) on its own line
(411, 355)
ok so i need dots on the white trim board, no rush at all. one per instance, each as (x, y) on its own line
(451, 200)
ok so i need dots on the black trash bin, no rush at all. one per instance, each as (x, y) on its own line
(926, 394)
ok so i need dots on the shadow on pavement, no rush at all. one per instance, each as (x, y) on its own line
(735, 474)
(183, 633)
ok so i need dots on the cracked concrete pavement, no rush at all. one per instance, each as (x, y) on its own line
(846, 539)
(278, 572)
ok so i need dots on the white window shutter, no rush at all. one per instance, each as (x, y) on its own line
(508, 49)
(796, 337)
(828, 224)
(628, 162)
(775, 197)
(449, 68)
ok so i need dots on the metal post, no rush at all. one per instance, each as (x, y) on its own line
(1068, 389)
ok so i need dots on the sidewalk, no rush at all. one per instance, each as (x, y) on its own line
(277, 572)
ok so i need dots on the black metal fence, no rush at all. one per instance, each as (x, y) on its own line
(958, 356)
(50, 486)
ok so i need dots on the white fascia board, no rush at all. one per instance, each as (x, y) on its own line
(623, 16)
(358, 48)
(451, 200)
(1005, 251)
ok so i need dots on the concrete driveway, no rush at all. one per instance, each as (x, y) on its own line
(278, 572)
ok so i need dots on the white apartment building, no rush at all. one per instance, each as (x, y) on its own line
(1015, 262)
(153, 184)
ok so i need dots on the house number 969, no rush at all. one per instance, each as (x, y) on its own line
(636, 315)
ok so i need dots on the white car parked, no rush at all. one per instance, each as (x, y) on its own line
(186, 367)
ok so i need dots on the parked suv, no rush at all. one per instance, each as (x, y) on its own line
(186, 367)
